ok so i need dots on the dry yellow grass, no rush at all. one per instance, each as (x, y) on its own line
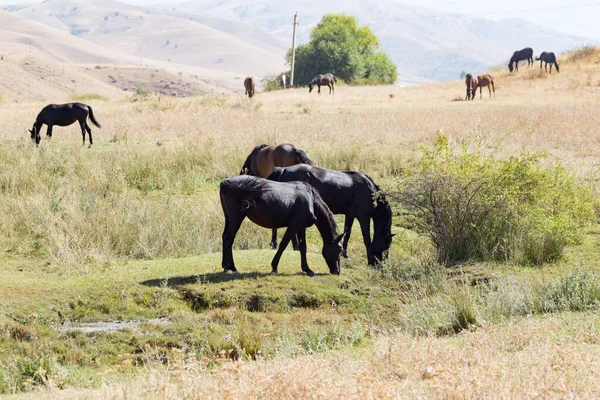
(534, 358)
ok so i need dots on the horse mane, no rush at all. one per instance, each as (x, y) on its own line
(382, 214)
(323, 212)
(252, 154)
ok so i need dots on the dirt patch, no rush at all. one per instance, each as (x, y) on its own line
(107, 326)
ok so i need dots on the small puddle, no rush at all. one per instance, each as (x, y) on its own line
(107, 326)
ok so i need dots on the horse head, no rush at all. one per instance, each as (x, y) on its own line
(310, 87)
(35, 134)
(510, 66)
(332, 253)
(380, 246)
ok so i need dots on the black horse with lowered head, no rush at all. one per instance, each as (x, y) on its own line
(269, 204)
(548, 58)
(64, 115)
(353, 194)
(323, 80)
(521, 55)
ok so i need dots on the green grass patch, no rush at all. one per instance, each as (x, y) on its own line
(88, 97)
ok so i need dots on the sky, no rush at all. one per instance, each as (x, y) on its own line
(576, 17)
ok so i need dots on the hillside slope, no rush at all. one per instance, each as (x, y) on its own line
(168, 36)
(423, 43)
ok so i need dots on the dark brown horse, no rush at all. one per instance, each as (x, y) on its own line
(264, 158)
(323, 80)
(63, 115)
(521, 55)
(249, 86)
(294, 205)
(548, 58)
(480, 82)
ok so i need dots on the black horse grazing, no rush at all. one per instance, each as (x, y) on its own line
(322, 80)
(294, 205)
(548, 58)
(521, 55)
(63, 115)
(349, 193)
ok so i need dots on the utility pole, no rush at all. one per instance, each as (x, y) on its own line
(293, 50)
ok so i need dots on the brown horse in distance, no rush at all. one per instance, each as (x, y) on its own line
(480, 82)
(322, 80)
(249, 86)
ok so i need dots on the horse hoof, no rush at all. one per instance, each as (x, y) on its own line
(274, 272)
(309, 273)
(230, 272)
(273, 245)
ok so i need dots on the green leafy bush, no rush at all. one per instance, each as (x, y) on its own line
(338, 45)
(476, 206)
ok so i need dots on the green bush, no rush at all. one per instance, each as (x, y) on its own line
(476, 206)
(339, 46)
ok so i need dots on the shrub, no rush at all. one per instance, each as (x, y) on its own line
(142, 92)
(274, 82)
(474, 206)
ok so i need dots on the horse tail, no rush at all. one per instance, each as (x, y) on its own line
(92, 118)
(302, 158)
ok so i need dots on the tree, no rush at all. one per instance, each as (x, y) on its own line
(338, 45)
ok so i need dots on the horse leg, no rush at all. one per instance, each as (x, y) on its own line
(480, 92)
(285, 240)
(49, 131)
(348, 229)
(295, 243)
(274, 239)
(82, 125)
(231, 229)
(490, 89)
(550, 67)
(365, 227)
(493, 88)
(89, 131)
(302, 245)
(319, 86)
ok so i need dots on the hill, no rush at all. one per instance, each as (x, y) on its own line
(424, 44)
(167, 36)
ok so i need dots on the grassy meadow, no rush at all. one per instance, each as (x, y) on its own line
(110, 256)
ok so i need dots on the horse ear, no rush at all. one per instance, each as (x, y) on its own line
(339, 238)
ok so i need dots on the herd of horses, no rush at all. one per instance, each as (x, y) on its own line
(481, 81)
(280, 187)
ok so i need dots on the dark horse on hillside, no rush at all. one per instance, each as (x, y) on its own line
(352, 194)
(481, 81)
(521, 55)
(548, 58)
(294, 205)
(264, 158)
(64, 115)
(249, 86)
(323, 80)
